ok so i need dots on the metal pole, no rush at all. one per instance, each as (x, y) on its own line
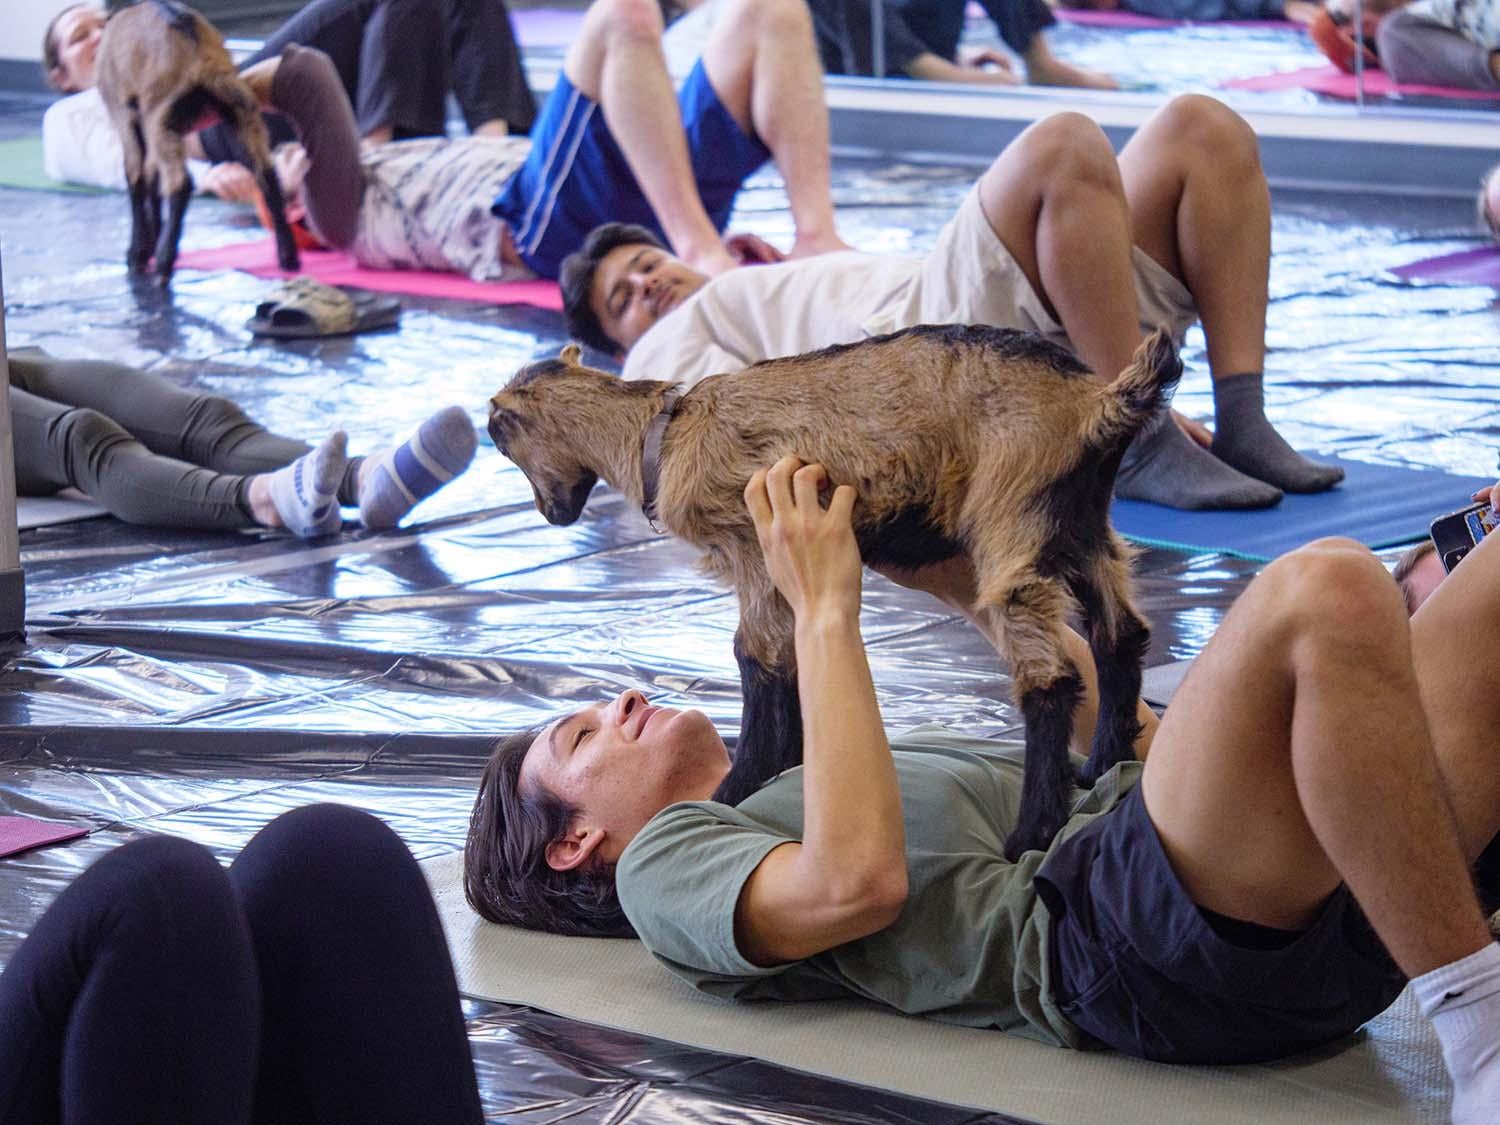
(877, 38)
(12, 581)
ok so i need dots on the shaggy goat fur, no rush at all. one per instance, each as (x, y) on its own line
(162, 71)
(984, 442)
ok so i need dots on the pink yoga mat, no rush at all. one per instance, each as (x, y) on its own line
(1467, 267)
(337, 268)
(1117, 18)
(1335, 83)
(21, 833)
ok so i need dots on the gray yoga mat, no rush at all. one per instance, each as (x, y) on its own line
(39, 511)
(1391, 1072)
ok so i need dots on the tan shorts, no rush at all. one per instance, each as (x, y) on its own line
(971, 278)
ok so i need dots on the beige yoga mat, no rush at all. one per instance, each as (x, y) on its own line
(1392, 1072)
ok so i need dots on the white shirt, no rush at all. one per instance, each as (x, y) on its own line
(80, 145)
(756, 313)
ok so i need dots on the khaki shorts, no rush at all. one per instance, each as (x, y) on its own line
(971, 278)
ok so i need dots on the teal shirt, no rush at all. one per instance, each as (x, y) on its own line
(970, 946)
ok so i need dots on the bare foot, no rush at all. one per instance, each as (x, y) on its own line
(807, 245)
(1194, 429)
(713, 260)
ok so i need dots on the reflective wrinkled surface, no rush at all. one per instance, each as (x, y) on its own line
(199, 683)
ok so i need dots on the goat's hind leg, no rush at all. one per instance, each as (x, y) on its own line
(169, 160)
(1031, 615)
(1118, 639)
(252, 146)
(142, 229)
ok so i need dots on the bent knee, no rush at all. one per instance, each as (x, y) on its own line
(1336, 587)
(630, 19)
(1208, 128)
(1070, 149)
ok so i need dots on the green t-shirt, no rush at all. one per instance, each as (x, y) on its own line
(970, 946)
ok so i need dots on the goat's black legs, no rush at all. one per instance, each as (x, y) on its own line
(171, 232)
(770, 727)
(1118, 639)
(1047, 786)
(139, 254)
(286, 245)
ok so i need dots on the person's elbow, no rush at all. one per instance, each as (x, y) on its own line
(873, 899)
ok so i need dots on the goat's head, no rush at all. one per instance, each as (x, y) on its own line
(537, 421)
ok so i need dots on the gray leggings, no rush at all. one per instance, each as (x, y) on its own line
(149, 451)
(1417, 52)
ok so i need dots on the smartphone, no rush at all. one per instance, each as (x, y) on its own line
(1458, 533)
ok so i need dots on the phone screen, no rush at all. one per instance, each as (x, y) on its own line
(1481, 522)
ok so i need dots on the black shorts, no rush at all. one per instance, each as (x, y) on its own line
(1138, 966)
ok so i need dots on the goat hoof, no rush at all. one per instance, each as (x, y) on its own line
(289, 262)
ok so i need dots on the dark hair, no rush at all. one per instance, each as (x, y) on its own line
(1405, 565)
(577, 279)
(506, 876)
(51, 53)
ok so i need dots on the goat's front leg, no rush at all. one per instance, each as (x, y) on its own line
(771, 721)
(1030, 619)
(138, 256)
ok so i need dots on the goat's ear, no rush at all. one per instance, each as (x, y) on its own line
(570, 354)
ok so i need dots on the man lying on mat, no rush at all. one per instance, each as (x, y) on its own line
(1295, 847)
(1058, 237)
(1201, 906)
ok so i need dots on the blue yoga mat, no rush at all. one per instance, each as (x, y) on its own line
(1380, 505)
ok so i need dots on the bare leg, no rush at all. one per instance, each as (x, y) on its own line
(617, 61)
(1055, 200)
(765, 70)
(1298, 754)
(1199, 205)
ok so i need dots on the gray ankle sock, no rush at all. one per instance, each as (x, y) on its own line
(441, 448)
(1165, 466)
(305, 492)
(1245, 439)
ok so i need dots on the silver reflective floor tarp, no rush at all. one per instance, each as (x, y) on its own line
(199, 684)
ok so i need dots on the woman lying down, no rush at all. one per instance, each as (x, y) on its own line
(1296, 846)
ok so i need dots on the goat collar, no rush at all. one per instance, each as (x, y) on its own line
(651, 452)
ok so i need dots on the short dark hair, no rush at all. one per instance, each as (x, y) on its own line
(51, 53)
(1405, 565)
(506, 875)
(577, 279)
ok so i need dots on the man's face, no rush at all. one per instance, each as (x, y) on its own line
(635, 286)
(622, 762)
(76, 35)
(1424, 579)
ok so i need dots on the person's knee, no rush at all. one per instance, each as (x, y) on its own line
(1333, 596)
(152, 877)
(1205, 128)
(1070, 152)
(628, 20)
(784, 21)
(334, 854)
(1400, 53)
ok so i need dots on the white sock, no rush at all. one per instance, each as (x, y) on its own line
(306, 491)
(1463, 1002)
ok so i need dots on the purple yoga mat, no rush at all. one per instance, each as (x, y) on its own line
(1086, 18)
(1467, 267)
(1335, 83)
(21, 833)
(335, 268)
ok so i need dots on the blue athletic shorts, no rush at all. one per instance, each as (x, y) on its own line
(576, 177)
(1139, 967)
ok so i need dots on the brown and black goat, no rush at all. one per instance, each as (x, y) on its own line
(163, 71)
(981, 442)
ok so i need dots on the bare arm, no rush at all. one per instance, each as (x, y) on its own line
(931, 67)
(847, 878)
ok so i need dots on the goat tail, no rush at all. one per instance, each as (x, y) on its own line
(1140, 391)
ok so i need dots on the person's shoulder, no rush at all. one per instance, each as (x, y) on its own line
(85, 103)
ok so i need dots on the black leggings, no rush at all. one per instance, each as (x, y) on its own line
(148, 450)
(397, 59)
(308, 983)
